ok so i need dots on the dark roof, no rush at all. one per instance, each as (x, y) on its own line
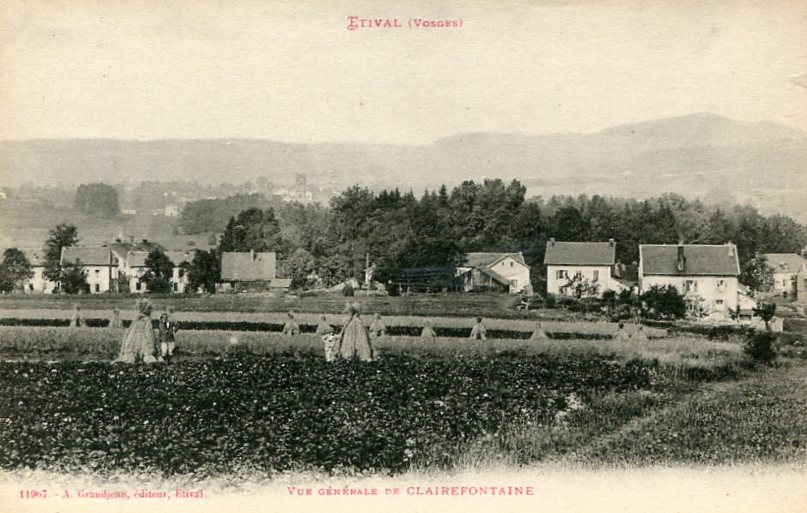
(87, 256)
(247, 266)
(700, 260)
(580, 253)
(496, 276)
(483, 260)
(784, 262)
(137, 258)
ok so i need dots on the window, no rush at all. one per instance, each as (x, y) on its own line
(175, 287)
(181, 273)
(596, 275)
(511, 263)
(719, 302)
(97, 273)
(560, 275)
(30, 286)
(97, 286)
(721, 285)
(138, 285)
(691, 286)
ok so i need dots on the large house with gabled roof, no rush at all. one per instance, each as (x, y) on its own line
(98, 263)
(706, 275)
(593, 263)
(504, 272)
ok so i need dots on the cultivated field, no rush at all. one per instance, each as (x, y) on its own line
(254, 405)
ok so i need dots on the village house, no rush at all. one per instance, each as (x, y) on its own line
(504, 272)
(179, 276)
(250, 271)
(706, 275)
(98, 263)
(785, 266)
(593, 263)
(37, 284)
(131, 264)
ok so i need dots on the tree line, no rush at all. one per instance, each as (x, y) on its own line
(401, 230)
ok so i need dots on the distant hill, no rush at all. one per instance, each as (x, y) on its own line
(25, 224)
(697, 155)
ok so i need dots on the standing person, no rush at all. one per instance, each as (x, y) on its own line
(77, 321)
(167, 334)
(478, 332)
(115, 323)
(428, 332)
(539, 333)
(354, 341)
(291, 328)
(139, 341)
(323, 327)
(331, 340)
(377, 327)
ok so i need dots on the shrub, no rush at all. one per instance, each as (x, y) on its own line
(761, 347)
(664, 303)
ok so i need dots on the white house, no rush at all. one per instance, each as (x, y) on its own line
(37, 284)
(785, 266)
(179, 277)
(507, 272)
(707, 275)
(593, 262)
(98, 263)
(171, 211)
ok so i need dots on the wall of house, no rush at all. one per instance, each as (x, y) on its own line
(38, 284)
(595, 274)
(98, 277)
(783, 282)
(719, 293)
(179, 279)
(513, 270)
(135, 275)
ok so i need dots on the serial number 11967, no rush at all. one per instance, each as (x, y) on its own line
(33, 494)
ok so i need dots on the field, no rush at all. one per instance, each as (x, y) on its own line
(244, 402)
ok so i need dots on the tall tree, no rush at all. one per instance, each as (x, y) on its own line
(252, 229)
(60, 236)
(160, 270)
(97, 199)
(74, 279)
(757, 274)
(204, 271)
(15, 268)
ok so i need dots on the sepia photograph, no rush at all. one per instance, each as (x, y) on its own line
(306, 256)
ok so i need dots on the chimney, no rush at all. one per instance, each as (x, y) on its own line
(552, 241)
(611, 242)
(731, 249)
(252, 255)
(682, 261)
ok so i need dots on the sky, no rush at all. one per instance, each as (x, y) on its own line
(291, 71)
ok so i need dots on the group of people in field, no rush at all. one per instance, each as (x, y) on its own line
(353, 342)
(139, 341)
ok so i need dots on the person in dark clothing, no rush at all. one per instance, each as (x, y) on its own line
(167, 335)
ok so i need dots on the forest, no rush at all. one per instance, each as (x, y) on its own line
(401, 230)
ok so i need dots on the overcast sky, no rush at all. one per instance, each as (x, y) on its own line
(291, 71)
